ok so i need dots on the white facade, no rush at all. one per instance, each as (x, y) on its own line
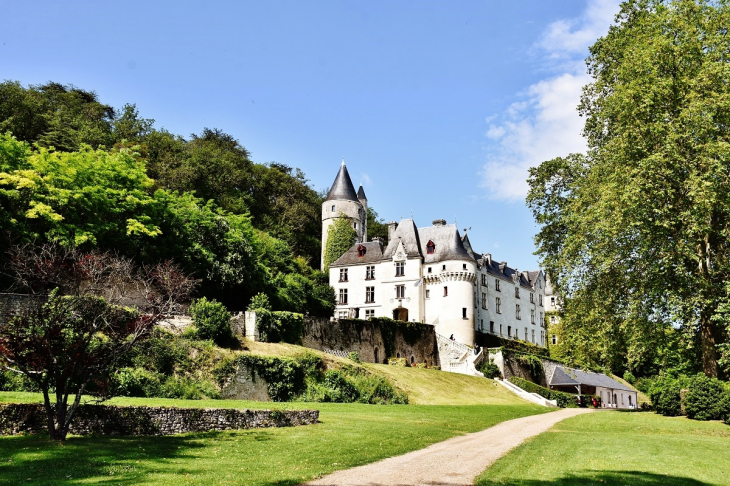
(432, 275)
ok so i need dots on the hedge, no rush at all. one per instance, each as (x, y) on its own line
(564, 400)
(279, 326)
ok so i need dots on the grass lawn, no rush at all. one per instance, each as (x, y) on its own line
(619, 448)
(349, 435)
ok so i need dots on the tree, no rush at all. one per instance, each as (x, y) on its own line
(635, 233)
(376, 226)
(68, 342)
(340, 237)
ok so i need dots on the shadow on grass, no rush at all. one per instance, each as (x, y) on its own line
(634, 478)
(36, 460)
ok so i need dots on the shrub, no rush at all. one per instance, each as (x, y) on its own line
(12, 381)
(490, 370)
(725, 406)
(533, 362)
(212, 321)
(397, 361)
(564, 400)
(259, 301)
(340, 388)
(279, 326)
(665, 395)
(354, 356)
(629, 377)
(188, 389)
(137, 382)
(704, 398)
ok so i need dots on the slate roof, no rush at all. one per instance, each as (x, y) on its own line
(373, 253)
(342, 188)
(361, 193)
(570, 376)
(407, 233)
(447, 241)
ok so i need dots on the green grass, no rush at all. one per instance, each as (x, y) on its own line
(349, 435)
(619, 448)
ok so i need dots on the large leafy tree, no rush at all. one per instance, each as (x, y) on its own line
(635, 233)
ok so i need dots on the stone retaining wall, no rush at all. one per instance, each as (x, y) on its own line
(18, 418)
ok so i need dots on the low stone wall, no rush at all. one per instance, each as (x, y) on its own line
(18, 418)
(368, 339)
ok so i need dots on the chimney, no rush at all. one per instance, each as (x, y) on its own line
(439, 222)
(391, 229)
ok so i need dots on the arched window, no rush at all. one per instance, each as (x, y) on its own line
(430, 246)
(375, 351)
(413, 360)
(360, 251)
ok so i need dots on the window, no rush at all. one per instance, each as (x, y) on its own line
(491, 327)
(517, 311)
(542, 321)
(343, 275)
(463, 312)
(496, 285)
(532, 316)
(443, 268)
(400, 291)
(333, 208)
(517, 292)
(484, 280)
(552, 301)
(541, 299)
(400, 269)
(464, 266)
(484, 300)
(553, 319)
(525, 334)
(499, 305)
(343, 296)
(509, 331)
(354, 225)
(500, 329)
(368, 314)
(370, 272)
(446, 291)
(360, 251)
(428, 293)
(429, 269)
(555, 339)
(343, 315)
(369, 295)
(532, 298)
(430, 247)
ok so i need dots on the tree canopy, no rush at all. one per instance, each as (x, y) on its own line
(635, 233)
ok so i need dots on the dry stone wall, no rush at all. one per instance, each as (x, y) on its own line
(111, 420)
(372, 340)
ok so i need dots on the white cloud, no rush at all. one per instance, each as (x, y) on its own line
(545, 124)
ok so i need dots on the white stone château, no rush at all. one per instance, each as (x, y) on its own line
(430, 275)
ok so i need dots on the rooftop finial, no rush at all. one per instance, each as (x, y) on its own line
(343, 161)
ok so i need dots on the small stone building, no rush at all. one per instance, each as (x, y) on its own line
(612, 393)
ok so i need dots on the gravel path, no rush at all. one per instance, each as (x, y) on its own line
(454, 462)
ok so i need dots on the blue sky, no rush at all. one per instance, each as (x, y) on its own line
(438, 107)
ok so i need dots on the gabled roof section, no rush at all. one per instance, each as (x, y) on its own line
(571, 376)
(407, 233)
(342, 188)
(361, 193)
(373, 253)
(448, 244)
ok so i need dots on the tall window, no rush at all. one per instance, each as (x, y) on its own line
(343, 296)
(428, 293)
(443, 268)
(500, 329)
(370, 273)
(429, 269)
(354, 225)
(517, 292)
(369, 295)
(463, 312)
(525, 334)
(533, 336)
(555, 339)
(552, 301)
(430, 247)
(532, 316)
(464, 266)
(542, 322)
(496, 285)
(509, 331)
(517, 311)
(400, 269)
(369, 313)
(333, 208)
(540, 299)
(484, 280)
(446, 291)
(484, 300)
(532, 298)
(400, 291)
(343, 275)
(499, 306)
(491, 327)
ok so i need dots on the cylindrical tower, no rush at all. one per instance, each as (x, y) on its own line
(342, 201)
(456, 306)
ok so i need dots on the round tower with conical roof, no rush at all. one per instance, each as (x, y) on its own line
(343, 201)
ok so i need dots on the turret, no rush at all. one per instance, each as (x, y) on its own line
(343, 201)
(364, 201)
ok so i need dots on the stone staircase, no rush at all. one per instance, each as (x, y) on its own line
(457, 357)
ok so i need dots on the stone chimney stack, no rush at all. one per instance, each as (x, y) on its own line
(392, 226)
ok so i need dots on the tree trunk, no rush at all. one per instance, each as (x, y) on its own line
(709, 350)
(50, 413)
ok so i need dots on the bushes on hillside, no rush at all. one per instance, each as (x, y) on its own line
(490, 370)
(564, 400)
(698, 397)
(665, 395)
(275, 327)
(212, 321)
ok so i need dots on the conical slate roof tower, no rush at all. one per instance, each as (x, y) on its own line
(342, 188)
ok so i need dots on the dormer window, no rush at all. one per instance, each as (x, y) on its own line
(430, 247)
(360, 251)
